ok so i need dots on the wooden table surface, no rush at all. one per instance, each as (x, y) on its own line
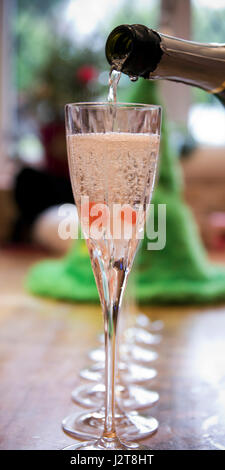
(44, 345)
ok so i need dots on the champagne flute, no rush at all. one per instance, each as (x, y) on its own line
(129, 397)
(113, 154)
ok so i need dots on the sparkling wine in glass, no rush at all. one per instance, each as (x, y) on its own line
(113, 154)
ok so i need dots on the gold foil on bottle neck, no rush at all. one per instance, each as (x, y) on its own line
(218, 89)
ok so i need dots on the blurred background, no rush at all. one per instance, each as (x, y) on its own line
(52, 53)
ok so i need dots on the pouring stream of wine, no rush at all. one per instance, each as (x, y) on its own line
(114, 77)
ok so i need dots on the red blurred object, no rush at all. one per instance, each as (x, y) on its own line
(86, 74)
(217, 230)
(54, 141)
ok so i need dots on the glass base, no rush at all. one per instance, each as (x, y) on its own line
(131, 397)
(140, 335)
(106, 444)
(130, 374)
(127, 353)
(131, 426)
(143, 321)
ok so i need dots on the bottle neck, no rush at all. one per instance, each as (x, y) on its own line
(201, 65)
(139, 51)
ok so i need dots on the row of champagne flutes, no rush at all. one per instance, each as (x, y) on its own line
(138, 354)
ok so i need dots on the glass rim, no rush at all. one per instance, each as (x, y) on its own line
(119, 104)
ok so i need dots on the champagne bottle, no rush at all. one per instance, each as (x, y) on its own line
(142, 52)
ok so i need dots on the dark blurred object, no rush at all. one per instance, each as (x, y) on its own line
(187, 146)
(182, 141)
(35, 191)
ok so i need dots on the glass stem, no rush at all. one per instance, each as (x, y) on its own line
(111, 313)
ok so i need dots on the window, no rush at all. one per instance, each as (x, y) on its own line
(206, 119)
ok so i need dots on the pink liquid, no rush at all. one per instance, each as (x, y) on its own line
(113, 168)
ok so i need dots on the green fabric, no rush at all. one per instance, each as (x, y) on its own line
(180, 273)
(70, 278)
